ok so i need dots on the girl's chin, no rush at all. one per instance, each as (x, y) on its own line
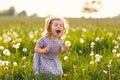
(58, 35)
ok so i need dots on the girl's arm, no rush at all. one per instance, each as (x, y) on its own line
(39, 50)
(63, 49)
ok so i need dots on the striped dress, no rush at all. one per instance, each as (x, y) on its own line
(48, 63)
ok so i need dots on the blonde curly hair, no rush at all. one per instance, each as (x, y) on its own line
(48, 23)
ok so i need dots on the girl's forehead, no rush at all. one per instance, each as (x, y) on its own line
(57, 21)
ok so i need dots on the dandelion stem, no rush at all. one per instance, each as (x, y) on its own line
(109, 74)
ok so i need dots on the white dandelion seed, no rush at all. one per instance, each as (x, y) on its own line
(91, 62)
(114, 51)
(16, 45)
(116, 47)
(80, 51)
(84, 30)
(97, 56)
(92, 53)
(114, 42)
(67, 43)
(5, 63)
(92, 43)
(1, 47)
(6, 52)
(1, 63)
(24, 49)
(118, 38)
(65, 57)
(118, 55)
(14, 63)
(97, 39)
(81, 40)
(23, 66)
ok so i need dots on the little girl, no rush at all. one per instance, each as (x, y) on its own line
(47, 47)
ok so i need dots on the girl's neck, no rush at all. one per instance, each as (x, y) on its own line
(54, 38)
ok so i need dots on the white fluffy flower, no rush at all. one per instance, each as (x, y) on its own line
(91, 62)
(1, 47)
(92, 53)
(14, 63)
(114, 51)
(118, 55)
(6, 52)
(92, 43)
(65, 57)
(81, 40)
(67, 43)
(1, 63)
(24, 49)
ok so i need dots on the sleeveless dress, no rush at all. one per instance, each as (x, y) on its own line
(48, 63)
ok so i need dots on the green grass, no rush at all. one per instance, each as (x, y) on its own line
(105, 33)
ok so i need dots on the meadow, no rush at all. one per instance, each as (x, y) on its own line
(94, 52)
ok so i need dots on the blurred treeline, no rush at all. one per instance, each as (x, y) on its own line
(12, 12)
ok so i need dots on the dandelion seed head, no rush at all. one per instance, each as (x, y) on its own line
(81, 40)
(6, 52)
(114, 51)
(5, 63)
(1, 63)
(1, 47)
(14, 63)
(92, 43)
(118, 55)
(118, 38)
(114, 42)
(116, 47)
(83, 29)
(97, 39)
(110, 34)
(97, 56)
(92, 53)
(24, 49)
(65, 57)
(91, 62)
(23, 66)
(67, 43)
(80, 51)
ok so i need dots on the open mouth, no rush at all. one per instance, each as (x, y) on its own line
(58, 31)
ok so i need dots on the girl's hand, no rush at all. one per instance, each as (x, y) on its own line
(46, 49)
(63, 49)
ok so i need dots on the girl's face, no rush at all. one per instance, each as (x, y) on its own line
(57, 28)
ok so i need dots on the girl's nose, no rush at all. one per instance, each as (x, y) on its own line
(58, 26)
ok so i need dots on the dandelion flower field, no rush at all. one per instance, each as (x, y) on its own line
(94, 48)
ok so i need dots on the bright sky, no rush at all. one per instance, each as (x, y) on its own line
(66, 8)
